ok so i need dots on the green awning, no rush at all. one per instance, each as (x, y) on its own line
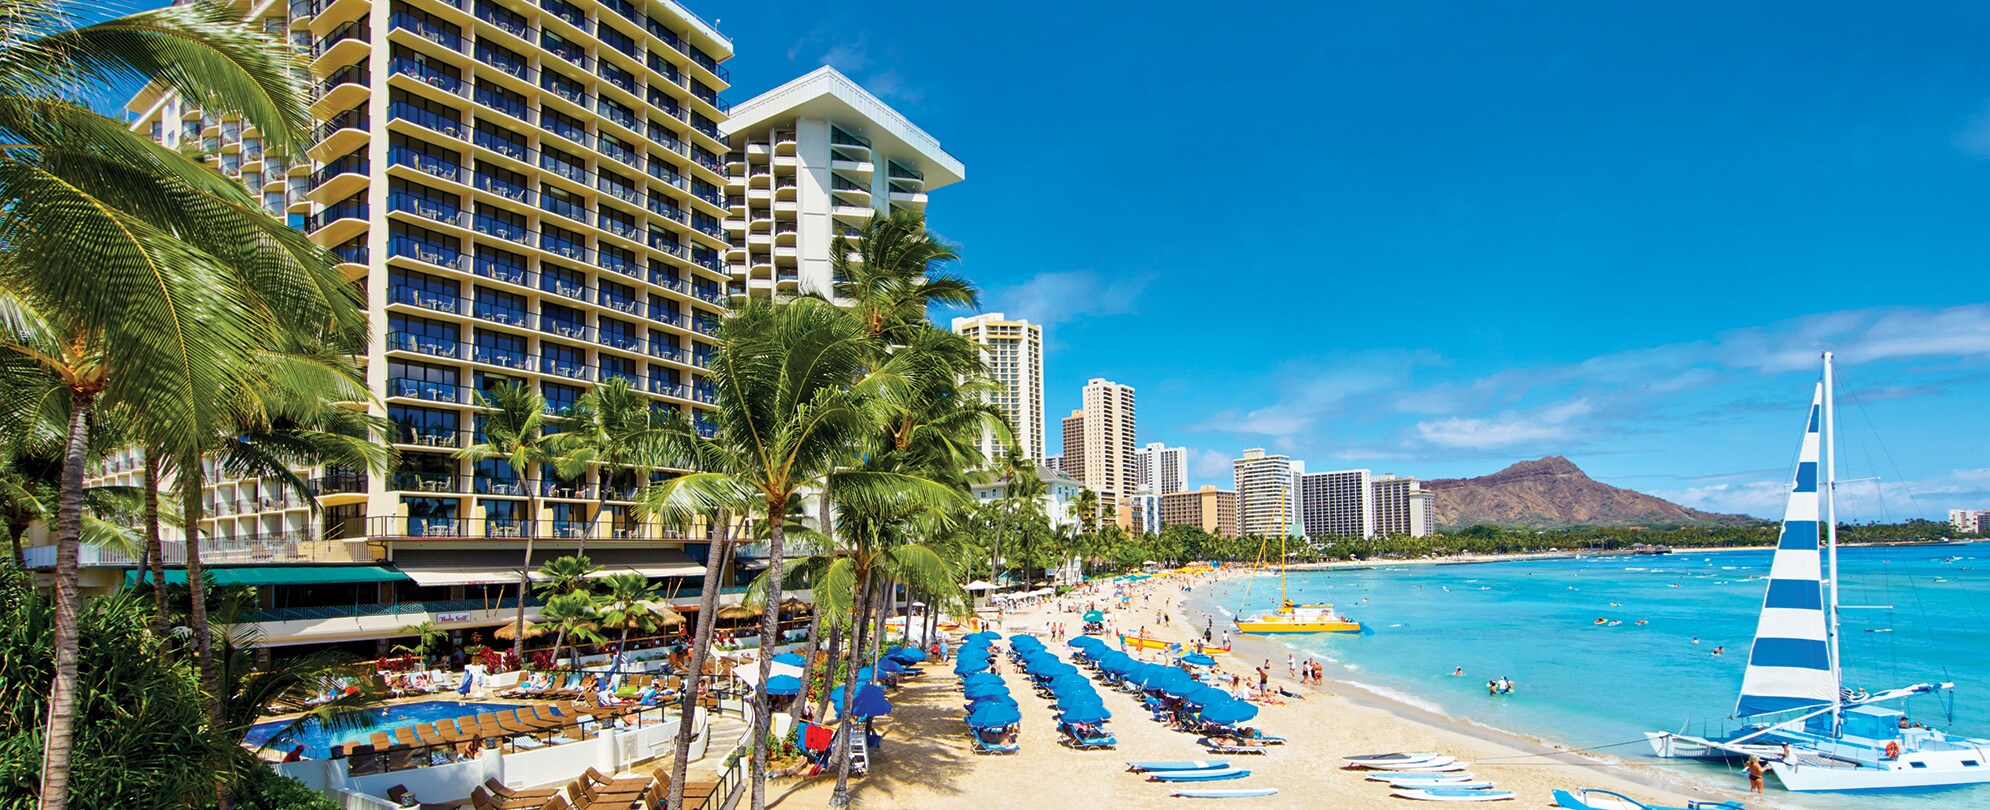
(281, 575)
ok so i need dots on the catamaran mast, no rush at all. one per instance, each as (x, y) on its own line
(1831, 537)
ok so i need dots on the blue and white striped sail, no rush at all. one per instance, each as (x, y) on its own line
(1790, 665)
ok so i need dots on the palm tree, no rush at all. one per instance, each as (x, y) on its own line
(613, 427)
(513, 430)
(788, 417)
(134, 274)
(565, 575)
(428, 637)
(1085, 509)
(627, 606)
(893, 273)
(576, 617)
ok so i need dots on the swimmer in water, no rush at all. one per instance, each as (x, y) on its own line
(1458, 673)
(1696, 639)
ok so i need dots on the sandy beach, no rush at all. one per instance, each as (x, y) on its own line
(926, 761)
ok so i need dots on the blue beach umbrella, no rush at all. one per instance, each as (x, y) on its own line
(985, 635)
(981, 677)
(990, 700)
(1229, 712)
(986, 689)
(791, 659)
(784, 685)
(1087, 714)
(889, 666)
(868, 701)
(1198, 659)
(994, 715)
(1083, 642)
(907, 655)
(1203, 695)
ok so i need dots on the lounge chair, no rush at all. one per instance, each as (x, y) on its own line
(365, 759)
(701, 792)
(983, 746)
(1087, 741)
(482, 799)
(1225, 747)
(427, 735)
(614, 785)
(405, 736)
(509, 722)
(380, 740)
(502, 793)
(596, 797)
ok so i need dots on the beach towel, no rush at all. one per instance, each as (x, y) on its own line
(817, 738)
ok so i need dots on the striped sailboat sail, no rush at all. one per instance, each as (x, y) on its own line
(1790, 665)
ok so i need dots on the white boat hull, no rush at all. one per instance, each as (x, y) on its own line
(1667, 745)
(1929, 769)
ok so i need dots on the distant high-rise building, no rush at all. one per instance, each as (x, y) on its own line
(1264, 493)
(1055, 462)
(1013, 353)
(811, 160)
(1105, 454)
(1403, 507)
(1160, 469)
(1337, 504)
(1072, 460)
(1209, 509)
(1967, 521)
(1298, 514)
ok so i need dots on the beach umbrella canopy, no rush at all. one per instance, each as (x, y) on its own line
(1198, 659)
(791, 659)
(1087, 641)
(1204, 694)
(1087, 714)
(737, 612)
(510, 631)
(980, 677)
(994, 715)
(907, 655)
(1156, 676)
(1093, 616)
(1024, 638)
(889, 666)
(784, 685)
(985, 689)
(985, 635)
(1229, 712)
(966, 667)
(1069, 681)
(1003, 699)
(867, 701)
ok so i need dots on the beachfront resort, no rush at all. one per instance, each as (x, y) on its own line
(479, 404)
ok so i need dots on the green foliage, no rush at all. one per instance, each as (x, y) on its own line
(265, 789)
(141, 735)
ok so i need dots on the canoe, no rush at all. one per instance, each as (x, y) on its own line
(1450, 795)
(1408, 764)
(1414, 785)
(1364, 759)
(1179, 765)
(1234, 793)
(1197, 776)
(1430, 777)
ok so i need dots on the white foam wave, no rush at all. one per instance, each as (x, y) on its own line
(1404, 698)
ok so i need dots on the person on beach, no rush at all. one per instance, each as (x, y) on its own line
(1291, 666)
(1755, 771)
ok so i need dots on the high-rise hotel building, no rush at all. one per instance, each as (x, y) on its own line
(1403, 507)
(1337, 504)
(522, 191)
(1106, 462)
(811, 160)
(1012, 351)
(1264, 493)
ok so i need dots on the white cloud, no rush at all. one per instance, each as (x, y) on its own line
(1763, 499)
(1316, 390)
(1062, 297)
(1858, 501)
(1211, 467)
(1554, 424)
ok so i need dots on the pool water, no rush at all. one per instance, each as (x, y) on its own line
(318, 741)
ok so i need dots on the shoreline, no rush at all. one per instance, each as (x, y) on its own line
(1525, 556)
(1514, 748)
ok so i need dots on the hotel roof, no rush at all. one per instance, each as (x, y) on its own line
(828, 94)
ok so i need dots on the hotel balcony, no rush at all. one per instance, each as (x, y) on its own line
(862, 167)
(915, 200)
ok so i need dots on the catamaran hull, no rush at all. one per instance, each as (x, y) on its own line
(1938, 769)
(1667, 745)
(1298, 627)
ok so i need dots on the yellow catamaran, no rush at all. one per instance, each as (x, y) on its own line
(1289, 617)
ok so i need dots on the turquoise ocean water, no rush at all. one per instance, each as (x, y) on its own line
(1586, 685)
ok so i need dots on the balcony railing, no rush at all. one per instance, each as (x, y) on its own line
(396, 527)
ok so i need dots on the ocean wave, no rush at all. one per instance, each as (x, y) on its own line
(1398, 696)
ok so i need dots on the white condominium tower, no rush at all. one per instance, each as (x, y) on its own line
(1012, 350)
(1108, 424)
(1264, 493)
(522, 191)
(1160, 469)
(1337, 504)
(1403, 507)
(812, 159)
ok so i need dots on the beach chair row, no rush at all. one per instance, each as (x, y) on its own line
(518, 727)
(594, 790)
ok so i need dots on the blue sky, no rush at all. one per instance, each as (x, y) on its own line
(1436, 238)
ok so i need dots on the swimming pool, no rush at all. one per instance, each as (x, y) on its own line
(318, 741)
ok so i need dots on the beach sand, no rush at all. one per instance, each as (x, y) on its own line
(926, 762)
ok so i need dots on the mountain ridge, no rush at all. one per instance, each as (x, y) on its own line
(1552, 492)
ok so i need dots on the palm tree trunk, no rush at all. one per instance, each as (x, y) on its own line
(701, 643)
(859, 608)
(525, 579)
(770, 630)
(840, 742)
(808, 661)
(155, 552)
(56, 750)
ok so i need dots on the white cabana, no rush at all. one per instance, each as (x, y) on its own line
(980, 585)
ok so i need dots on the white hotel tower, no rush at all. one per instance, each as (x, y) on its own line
(812, 159)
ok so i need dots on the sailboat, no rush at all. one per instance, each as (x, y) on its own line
(1292, 618)
(1837, 740)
